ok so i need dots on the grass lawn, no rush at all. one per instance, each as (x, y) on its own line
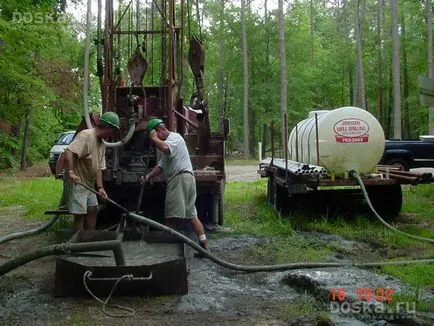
(36, 195)
(247, 210)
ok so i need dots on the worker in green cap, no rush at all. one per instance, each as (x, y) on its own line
(84, 160)
(176, 166)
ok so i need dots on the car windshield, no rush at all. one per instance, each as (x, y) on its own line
(65, 139)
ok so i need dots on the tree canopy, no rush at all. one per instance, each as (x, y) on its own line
(326, 43)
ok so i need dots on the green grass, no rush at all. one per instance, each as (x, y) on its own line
(35, 195)
(248, 211)
(419, 200)
(415, 274)
(367, 229)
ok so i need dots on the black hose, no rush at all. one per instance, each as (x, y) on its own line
(22, 234)
(246, 268)
(355, 175)
(61, 248)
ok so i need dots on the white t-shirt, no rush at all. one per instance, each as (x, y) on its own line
(177, 158)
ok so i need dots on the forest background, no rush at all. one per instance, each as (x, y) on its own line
(261, 62)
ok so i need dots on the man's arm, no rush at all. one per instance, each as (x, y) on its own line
(99, 185)
(69, 166)
(154, 172)
(161, 145)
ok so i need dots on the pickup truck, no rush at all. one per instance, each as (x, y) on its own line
(409, 154)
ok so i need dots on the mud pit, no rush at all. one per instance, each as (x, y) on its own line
(216, 295)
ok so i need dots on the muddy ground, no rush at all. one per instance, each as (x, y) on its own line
(216, 295)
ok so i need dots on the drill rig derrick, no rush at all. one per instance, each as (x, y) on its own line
(196, 60)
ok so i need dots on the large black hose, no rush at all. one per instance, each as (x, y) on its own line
(22, 234)
(246, 268)
(63, 248)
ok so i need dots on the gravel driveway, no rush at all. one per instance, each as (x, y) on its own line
(242, 172)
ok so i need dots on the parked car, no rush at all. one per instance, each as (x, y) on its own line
(64, 139)
(410, 154)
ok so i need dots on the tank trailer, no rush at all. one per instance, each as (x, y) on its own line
(323, 155)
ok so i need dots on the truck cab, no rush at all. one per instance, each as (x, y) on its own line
(409, 153)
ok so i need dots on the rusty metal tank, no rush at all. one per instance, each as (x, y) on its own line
(146, 264)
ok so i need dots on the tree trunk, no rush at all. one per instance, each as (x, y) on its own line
(267, 38)
(283, 80)
(348, 42)
(396, 72)
(312, 51)
(15, 132)
(220, 59)
(264, 139)
(379, 86)
(246, 142)
(389, 109)
(312, 29)
(26, 140)
(252, 118)
(225, 94)
(360, 97)
(405, 86)
(267, 73)
(430, 65)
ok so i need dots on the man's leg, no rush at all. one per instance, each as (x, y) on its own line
(92, 211)
(171, 223)
(200, 232)
(77, 206)
(90, 222)
(79, 222)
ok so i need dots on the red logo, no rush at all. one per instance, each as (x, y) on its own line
(351, 130)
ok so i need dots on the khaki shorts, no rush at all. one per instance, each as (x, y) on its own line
(181, 197)
(81, 199)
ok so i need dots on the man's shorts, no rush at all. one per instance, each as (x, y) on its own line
(181, 197)
(81, 199)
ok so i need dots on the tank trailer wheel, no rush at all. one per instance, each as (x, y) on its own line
(270, 191)
(387, 200)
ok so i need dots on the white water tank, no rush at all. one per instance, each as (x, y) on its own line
(349, 138)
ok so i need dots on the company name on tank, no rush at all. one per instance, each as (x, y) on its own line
(351, 127)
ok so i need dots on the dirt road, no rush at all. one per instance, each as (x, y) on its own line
(242, 172)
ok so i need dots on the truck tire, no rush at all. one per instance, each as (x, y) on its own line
(281, 200)
(221, 210)
(401, 163)
(215, 207)
(270, 191)
(387, 199)
(221, 206)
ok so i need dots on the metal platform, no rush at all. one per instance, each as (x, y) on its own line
(149, 263)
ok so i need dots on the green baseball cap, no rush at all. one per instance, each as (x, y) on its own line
(110, 119)
(153, 123)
